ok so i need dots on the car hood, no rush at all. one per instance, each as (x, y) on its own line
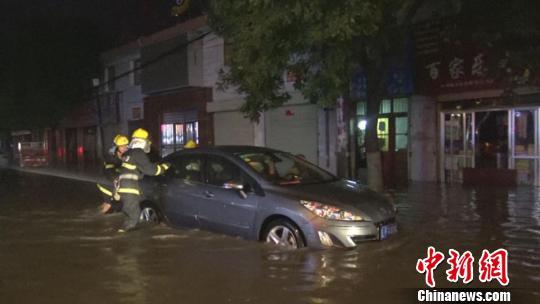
(347, 195)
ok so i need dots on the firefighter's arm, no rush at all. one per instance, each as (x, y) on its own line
(149, 168)
(109, 169)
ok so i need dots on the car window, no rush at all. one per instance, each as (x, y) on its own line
(220, 171)
(188, 168)
(284, 168)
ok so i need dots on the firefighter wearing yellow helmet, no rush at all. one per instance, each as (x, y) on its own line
(190, 144)
(111, 168)
(135, 165)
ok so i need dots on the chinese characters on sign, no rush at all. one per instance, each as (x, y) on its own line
(447, 65)
(491, 266)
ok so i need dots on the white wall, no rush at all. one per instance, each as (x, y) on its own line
(231, 128)
(297, 133)
(132, 97)
(195, 61)
(293, 128)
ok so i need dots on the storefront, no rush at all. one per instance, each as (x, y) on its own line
(176, 117)
(490, 145)
(488, 121)
(392, 132)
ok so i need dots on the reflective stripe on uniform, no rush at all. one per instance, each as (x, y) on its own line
(158, 170)
(109, 166)
(129, 176)
(104, 190)
(129, 190)
(129, 166)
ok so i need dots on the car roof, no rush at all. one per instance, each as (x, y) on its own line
(234, 149)
(229, 149)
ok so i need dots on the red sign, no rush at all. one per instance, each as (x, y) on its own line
(451, 65)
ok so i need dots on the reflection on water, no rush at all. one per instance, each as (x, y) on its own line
(56, 248)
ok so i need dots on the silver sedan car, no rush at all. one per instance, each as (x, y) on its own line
(266, 195)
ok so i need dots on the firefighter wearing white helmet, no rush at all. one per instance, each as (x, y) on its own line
(135, 165)
(111, 168)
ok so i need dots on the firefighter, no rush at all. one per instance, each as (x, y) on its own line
(135, 165)
(111, 168)
(191, 144)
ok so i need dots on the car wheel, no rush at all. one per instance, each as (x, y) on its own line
(283, 233)
(149, 214)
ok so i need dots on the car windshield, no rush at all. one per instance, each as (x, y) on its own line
(284, 168)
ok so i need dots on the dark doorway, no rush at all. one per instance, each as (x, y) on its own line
(492, 139)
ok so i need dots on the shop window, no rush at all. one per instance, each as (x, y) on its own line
(392, 127)
(361, 109)
(402, 126)
(386, 107)
(524, 133)
(401, 105)
(192, 131)
(175, 135)
(179, 133)
(383, 133)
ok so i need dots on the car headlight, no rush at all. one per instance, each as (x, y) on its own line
(330, 212)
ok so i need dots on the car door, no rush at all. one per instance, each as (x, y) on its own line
(183, 190)
(227, 210)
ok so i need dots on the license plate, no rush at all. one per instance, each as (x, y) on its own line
(387, 230)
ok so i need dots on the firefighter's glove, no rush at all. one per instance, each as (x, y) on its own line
(165, 166)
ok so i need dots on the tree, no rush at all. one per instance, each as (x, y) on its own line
(322, 43)
(509, 28)
(47, 65)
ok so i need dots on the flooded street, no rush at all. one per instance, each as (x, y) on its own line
(56, 248)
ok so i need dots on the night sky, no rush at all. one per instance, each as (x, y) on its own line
(118, 21)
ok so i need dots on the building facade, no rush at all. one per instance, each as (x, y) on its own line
(487, 127)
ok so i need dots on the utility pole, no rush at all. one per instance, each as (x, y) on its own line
(101, 143)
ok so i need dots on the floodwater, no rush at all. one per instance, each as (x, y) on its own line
(56, 248)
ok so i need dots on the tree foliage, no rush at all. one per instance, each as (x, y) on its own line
(322, 43)
(47, 66)
(511, 29)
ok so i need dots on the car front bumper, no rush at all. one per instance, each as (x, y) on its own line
(349, 234)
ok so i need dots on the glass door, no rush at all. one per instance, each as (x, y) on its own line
(524, 145)
(458, 145)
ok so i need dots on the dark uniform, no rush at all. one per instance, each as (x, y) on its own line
(111, 170)
(135, 165)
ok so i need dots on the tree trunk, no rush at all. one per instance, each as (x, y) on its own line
(374, 92)
(374, 161)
